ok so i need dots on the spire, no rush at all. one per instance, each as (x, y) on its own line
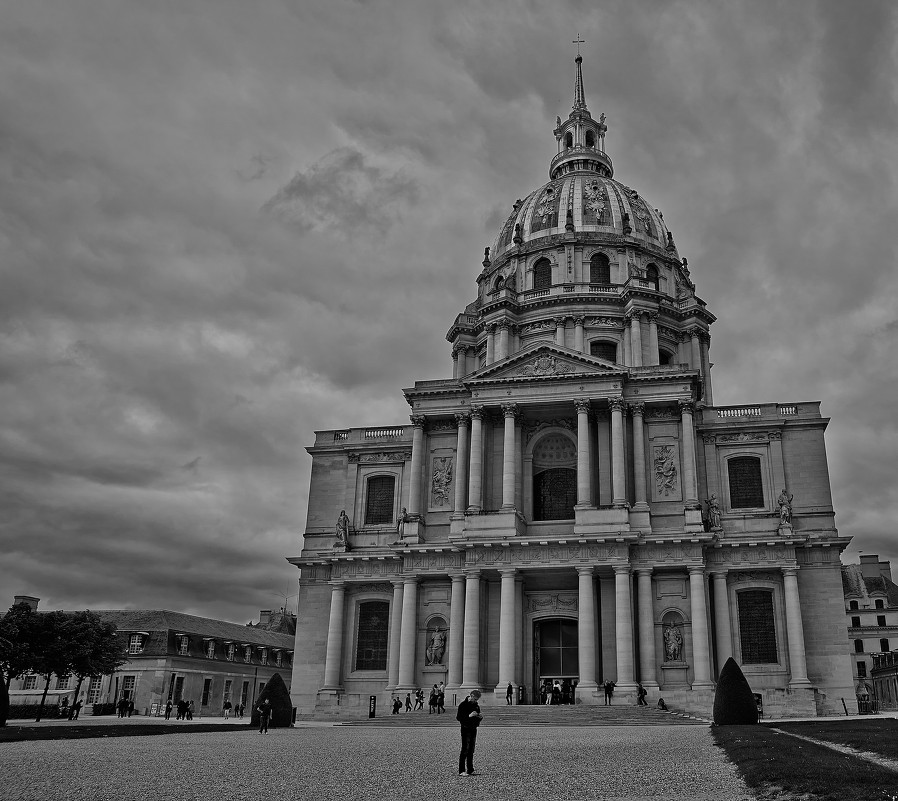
(579, 94)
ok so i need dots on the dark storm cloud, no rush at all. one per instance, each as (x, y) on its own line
(224, 226)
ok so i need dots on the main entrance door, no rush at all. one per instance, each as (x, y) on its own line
(556, 661)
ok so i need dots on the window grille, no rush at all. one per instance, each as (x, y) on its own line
(371, 643)
(379, 503)
(757, 630)
(599, 269)
(746, 487)
(135, 644)
(604, 350)
(542, 274)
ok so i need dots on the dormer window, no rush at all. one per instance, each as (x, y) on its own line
(135, 644)
(210, 649)
(263, 659)
(231, 650)
(183, 642)
(247, 653)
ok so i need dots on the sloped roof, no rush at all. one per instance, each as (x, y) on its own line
(855, 583)
(163, 619)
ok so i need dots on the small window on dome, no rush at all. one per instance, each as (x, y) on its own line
(590, 139)
(542, 274)
(604, 350)
(651, 275)
(568, 139)
(599, 269)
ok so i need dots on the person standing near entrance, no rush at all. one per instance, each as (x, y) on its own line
(509, 694)
(469, 717)
(641, 693)
(609, 692)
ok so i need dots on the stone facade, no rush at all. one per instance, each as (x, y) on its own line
(570, 504)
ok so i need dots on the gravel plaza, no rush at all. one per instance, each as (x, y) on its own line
(343, 762)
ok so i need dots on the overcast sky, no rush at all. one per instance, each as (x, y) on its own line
(226, 224)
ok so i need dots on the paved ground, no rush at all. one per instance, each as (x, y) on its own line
(672, 763)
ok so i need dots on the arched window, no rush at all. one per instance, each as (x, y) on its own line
(590, 139)
(599, 269)
(568, 139)
(651, 275)
(554, 478)
(542, 274)
(604, 350)
(859, 646)
(880, 604)
(757, 631)
(746, 486)
(852, 605)
(379, 500)
(371, 642)
(884, 646)
(500, 282)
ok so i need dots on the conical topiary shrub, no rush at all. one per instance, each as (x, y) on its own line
(281, 705)
(734, 702)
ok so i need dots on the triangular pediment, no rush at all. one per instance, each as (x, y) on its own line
(545, 360)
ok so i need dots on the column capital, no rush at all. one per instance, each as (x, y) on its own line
(585, 570)
(462, 419)
(490, 327)
(719, 572)
(643, 571)
(696, 570)
(616, 404)
(653, 317)
(509, 409)
(410, 579)
(559, 321)
(338, 584)
(622, 569)
(455, 350)
(503, 324)
(473, 572)
(508, 571)
(580, 319)
(636, 409)
(418, 420)
(456, 575)
(686, 407)
(478, 412)
(582, 405)
(397, 582)
(792, 570)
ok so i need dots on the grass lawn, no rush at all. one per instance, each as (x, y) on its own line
(878, 736)
(777, 766)
(13, 733)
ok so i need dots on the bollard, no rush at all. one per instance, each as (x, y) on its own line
(372, 706)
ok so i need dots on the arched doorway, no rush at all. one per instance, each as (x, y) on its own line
(556, 660)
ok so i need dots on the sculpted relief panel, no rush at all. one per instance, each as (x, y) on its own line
(552, 554)
(666, 470)
(551, 602)
(441, 482)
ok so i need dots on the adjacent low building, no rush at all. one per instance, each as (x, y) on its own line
(871, 603)
(173, 656)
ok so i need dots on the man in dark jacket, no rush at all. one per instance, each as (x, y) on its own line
(469, 717)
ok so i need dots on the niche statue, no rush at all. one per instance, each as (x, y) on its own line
(436, 647)
(673, 644)
(342, 528)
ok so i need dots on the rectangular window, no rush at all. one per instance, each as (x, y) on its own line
(244, 693)
(278, 658)
(248, 653)
(135, 644)
(757, 630)
(93, 689)
(379, 503)
(231, 651)
(855, 622)
(880, 620)
(371, 642)
(746, 487)
(884, 645)
(207, 689)
(263, 659)
(128, 683)
(30, 682)
(862, 670)
(178, 689)
(62, 683)
(182, 646)
(227, 691)
(210, 649)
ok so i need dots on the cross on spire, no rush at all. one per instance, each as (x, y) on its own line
(578, 41)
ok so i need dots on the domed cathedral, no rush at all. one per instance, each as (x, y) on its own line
(570, 508)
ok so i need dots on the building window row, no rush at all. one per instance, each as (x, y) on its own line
(210, 650)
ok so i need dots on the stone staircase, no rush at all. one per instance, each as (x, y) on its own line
(622, 715)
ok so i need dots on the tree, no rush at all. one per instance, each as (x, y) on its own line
(55, 651)
(734, 702)
(19, 638)
(98, 650)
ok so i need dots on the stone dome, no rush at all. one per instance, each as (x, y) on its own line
(588, 200)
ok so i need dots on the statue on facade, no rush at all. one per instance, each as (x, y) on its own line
(342, 528)
(403, 519)
(785, 506)
(436, 647)
(713, 512)
(673, 644)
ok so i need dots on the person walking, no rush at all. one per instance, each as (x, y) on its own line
(397, 705)
(641, 693)
(264, 716)
(190, 710)
(168, 708)
(408, 702)
(227, 709)
(469, 717)
(609, 692)
(76, 710)
(130, 707)
(419, 699)
(432, 701)
(509, 694)
(441, 698)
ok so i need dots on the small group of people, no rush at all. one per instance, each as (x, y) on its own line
(125, 707)
(435, 701)
(227, 707)
(185, 710)
(557, 691)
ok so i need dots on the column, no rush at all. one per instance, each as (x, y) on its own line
(618, 478)
(333, 656)
(559, 331)
(518, 463)
(586, 629)
(470, 360)
(584, 473)
(502, 349)
(722, 631)
(579, 344)
(490, 343)
(706, 369)
(653, 338)
(461, 465)
(518, 631)
(509, 410)
(641, 501)
(636, 334)
(470, 671)
(475, 477)
(701, 658)
(408, 634)
(623, 622)
(506, 631)
(456, 629)
(628, 342)
(647, 658)
(455, 363)
(414, 484)
(603, 457)
(395, 626)
(696, 360)
(682, 354)
(690, 489)
(794, 629)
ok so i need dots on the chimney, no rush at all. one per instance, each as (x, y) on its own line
(264, 617)
(27, 599)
